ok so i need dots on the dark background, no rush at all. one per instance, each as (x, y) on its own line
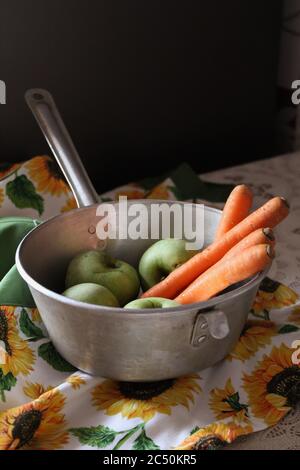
(143, 85)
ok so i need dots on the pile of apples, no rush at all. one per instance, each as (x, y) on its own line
(95, 277)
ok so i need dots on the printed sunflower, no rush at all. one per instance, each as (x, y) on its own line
(35, 390)
(69, 205)
(272, 295)
(47, 176)
(294, 316)
(225, 403)
(134, 193)
(214, 436)
(35, 315)
(76, 381)
(38, 425)
(18, 357)
(273, 388)
(144, 400)
(159, 192)
(255, 335)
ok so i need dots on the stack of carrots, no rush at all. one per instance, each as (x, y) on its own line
(243, 246)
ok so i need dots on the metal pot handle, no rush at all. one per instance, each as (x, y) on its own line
(46, 113)
(209, 324)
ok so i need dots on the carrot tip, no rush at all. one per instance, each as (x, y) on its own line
(268, 232)
(270, 251)
(286, 202)
(244, 186)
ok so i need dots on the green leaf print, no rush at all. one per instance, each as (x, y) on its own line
(48, 352)
(22, 193)
(105, 199)
(29, 328)
(95, 436)
(143, 442)
(6, 383)
(195, 429)
(175, 191)
(264, 314)
(127, 435)
(288, 329)
(102, 436)
(234, 402)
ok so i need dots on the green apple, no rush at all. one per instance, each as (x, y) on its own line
(92, 294)
(152, 302)
(162, 258)
(100, 268)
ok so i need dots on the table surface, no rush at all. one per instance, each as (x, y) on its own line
(276, 176)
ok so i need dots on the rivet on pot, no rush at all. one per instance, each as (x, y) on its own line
(201, 339)
(92, 229)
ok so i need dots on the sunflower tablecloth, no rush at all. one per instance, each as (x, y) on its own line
(46, 404)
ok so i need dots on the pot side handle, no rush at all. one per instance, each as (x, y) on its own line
(209, 324)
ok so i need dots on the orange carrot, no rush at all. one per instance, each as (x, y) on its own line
(269, 215)
(259, 236)
(237, 207)
(226, 273)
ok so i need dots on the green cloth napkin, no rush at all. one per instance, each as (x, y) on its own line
(13, 290)
(190, 186)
